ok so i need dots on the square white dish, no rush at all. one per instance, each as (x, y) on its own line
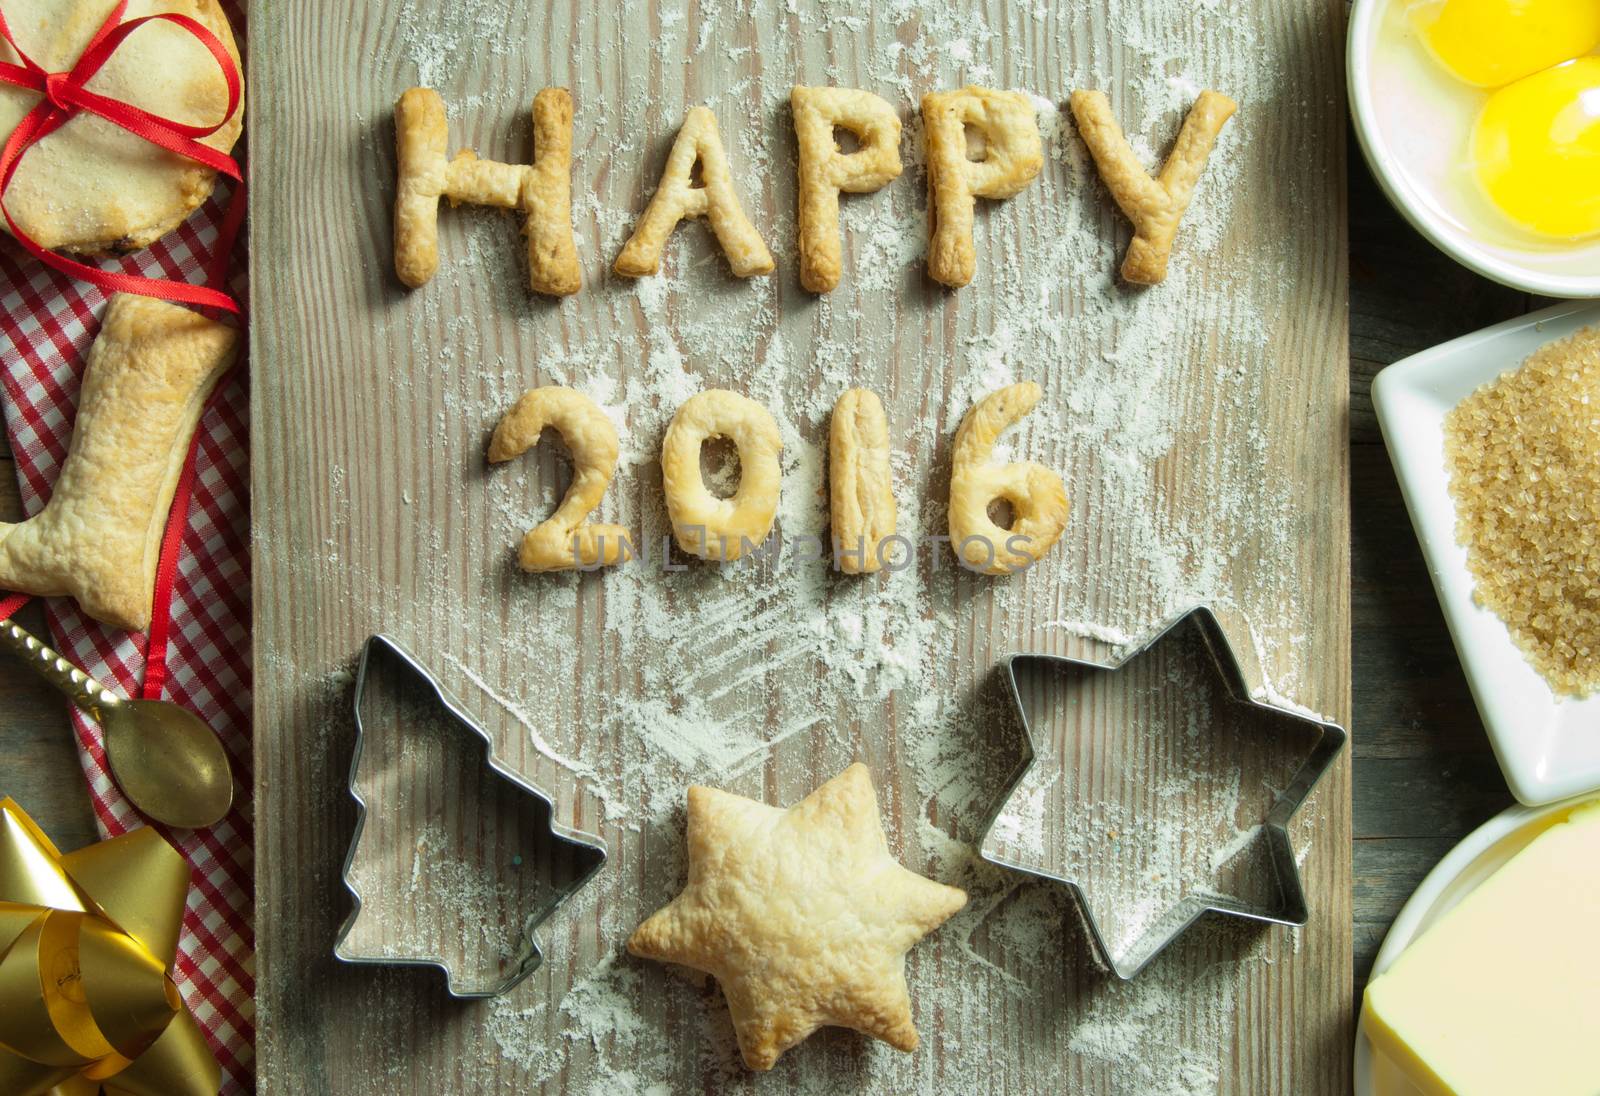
(1548, 746)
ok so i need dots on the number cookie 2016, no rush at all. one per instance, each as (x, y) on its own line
(1013, 156)
(860, 489)
(542, 191)
(1155, 206)
(677, 197)
(565, 540)
(1038, 500)
(703, 524)
(98, 539)
(824, 171)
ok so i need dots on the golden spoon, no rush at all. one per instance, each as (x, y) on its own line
(168, 763)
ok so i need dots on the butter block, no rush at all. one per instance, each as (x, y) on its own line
(1502, 995)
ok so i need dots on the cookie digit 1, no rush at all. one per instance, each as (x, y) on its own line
(1155, 206)
(99, 538)
(1037, 498)
(824, 171)
(542, 192)
(860, 489)
(704, 525)
(1013, 155)
(676, 198)
(565, 540)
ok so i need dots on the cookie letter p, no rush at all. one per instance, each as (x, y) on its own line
(1013, 155)
(825, 171)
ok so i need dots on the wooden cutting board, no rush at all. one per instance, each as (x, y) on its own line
(1200, 427)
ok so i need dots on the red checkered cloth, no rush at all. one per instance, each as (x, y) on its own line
(47, 323)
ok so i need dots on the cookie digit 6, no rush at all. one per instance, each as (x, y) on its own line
(1037, 498)
(564, 540)
(704, 525)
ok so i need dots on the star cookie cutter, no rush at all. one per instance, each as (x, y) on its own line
(1289, 904)
(587, 852)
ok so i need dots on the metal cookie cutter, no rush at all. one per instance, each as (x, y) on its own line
(585, 853)
(1288, 906)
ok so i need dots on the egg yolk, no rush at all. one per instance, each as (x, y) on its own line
(1536, 150)
(1490, 43)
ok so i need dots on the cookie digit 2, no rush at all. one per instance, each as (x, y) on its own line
(1037, 498)
(565, 540)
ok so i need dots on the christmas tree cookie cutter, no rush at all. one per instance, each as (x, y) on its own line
(1287, 905)
(407, 908)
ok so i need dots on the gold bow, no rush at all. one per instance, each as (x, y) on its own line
(86, 941)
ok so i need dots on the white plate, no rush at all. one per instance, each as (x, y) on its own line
(1548, 747)
(1479, 856)
(1411, 120)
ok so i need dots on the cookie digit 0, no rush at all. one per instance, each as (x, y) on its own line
(704, 525)
(565, 540)
(1037, 498)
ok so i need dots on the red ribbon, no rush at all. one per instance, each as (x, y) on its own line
(64, 95)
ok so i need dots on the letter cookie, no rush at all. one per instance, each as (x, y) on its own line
(1037, 498)
(676, 198)
(1155, 206)
(860, 489)
(704, 525)
(565, 540)
(99, 538)
(1012, 157)
(824, 171)
(543, 191)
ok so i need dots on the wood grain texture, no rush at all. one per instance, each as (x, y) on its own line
(1411, 702)
(373, 511)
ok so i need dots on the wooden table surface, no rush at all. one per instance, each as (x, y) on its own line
(1424, 774)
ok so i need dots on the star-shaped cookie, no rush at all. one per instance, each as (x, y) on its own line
(801, 915)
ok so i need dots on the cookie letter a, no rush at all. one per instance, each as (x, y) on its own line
(1013, 155)
(543, 191)
(677, 197)
(99, 538)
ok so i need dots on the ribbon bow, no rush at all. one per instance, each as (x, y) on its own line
(65, 95)
(86, 941)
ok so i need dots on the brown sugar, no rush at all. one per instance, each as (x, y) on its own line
(1523, 453)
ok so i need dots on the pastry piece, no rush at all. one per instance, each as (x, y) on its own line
(565, 540)
(1013, 155)
(801, 915)
(703, 524)
(1155, 206)
(1037, 499)
(676, 197)
(860, 488)
(824, 171)
(91, 186)
(99, 538)
(543, 192)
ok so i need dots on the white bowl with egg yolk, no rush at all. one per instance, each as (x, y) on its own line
(1414, 122)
